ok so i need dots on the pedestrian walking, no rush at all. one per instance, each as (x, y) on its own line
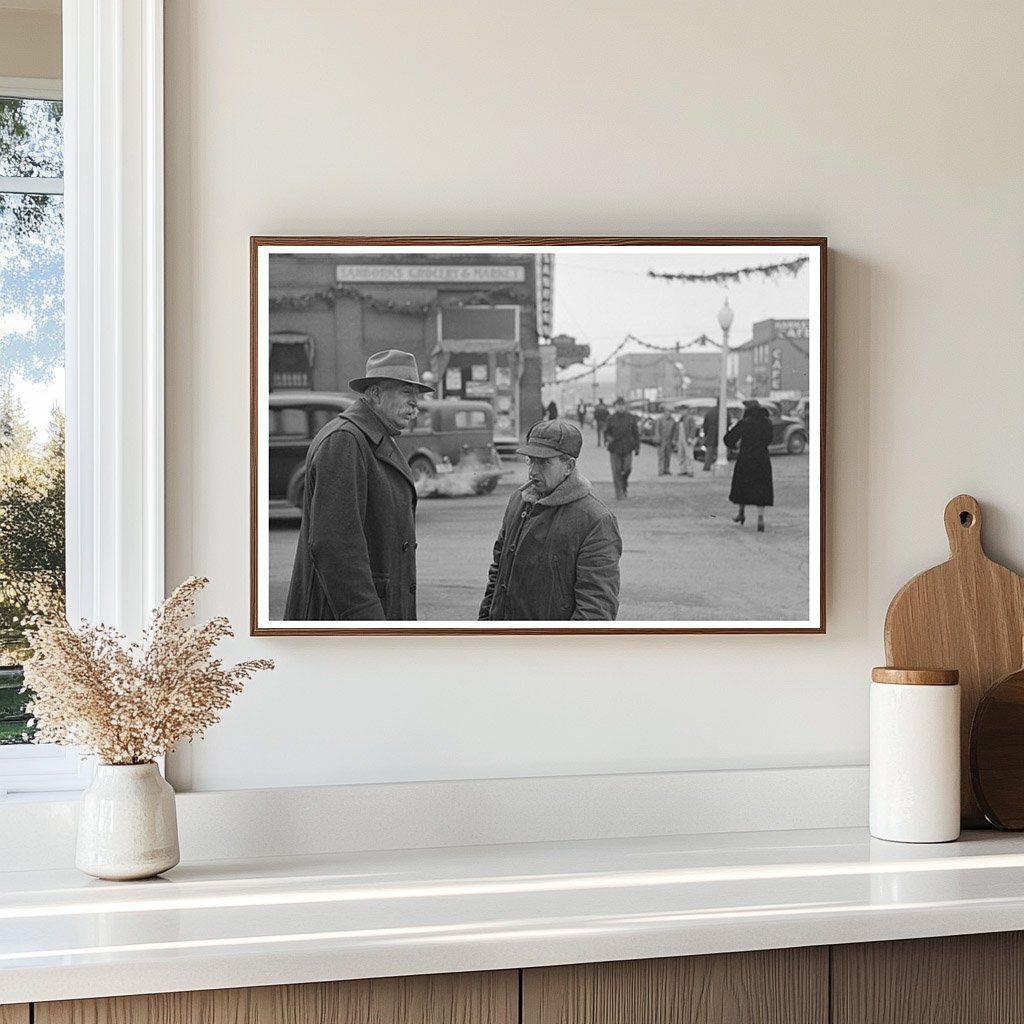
(356, 555)
(752, 477)
(687, 429)
(558, 550)
(601, 414)
(622, 439)
(551, 411)
(710, 437)
(666, 434)
(581, 412)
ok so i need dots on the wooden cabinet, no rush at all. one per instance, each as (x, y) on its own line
(967, 979)
(491, 998)
(962, 979)
(777, 986)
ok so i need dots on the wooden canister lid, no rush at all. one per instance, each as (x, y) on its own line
(916, 676)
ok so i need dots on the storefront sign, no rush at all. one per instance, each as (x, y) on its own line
(793, 329)
(776, 369)
(352, 273)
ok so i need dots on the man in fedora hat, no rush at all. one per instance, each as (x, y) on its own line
(356, 557)
(557, 554)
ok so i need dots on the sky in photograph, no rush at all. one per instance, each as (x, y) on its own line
(599, 298)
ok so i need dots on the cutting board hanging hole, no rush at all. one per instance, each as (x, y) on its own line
(963, 526)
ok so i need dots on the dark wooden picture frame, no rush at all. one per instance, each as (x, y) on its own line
(505, 326)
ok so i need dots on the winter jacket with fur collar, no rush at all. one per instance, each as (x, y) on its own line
(556, 558)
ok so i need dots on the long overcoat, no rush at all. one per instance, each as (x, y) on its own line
(356, 557)
(555, 558)
(752, 477)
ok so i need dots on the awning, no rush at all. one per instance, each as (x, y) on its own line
(460, 345)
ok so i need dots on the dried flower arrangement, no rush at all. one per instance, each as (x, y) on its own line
(130, 704)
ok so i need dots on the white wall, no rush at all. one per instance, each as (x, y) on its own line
(29, 42)
(894, 129)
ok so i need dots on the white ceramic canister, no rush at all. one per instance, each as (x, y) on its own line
(915, 755)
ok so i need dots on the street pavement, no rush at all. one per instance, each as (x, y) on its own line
(683, 558)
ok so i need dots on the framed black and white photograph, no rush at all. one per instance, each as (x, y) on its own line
(537, 435)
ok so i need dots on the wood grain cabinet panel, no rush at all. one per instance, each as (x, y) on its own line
(480, 998)
(14, 1014)
(962, 979)
(778, 986)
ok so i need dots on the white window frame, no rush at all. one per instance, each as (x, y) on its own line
(114, 329)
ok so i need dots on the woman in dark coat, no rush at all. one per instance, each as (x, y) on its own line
(752, 477)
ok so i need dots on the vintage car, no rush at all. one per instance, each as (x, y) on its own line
(450, 447)
(450, 444)
(646, 411)
(789, 433)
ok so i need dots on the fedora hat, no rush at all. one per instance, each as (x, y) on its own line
(390, 364)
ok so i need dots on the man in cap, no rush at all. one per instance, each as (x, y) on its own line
(356, 557)
(557, 554)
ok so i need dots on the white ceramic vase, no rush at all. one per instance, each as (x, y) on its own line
(127, 825)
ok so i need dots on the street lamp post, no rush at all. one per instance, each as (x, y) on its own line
(681, 375)
(725, 315)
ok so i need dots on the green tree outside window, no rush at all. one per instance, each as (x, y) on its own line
(31, 350)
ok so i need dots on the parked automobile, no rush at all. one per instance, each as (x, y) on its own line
(646, 410)
(450, 444)
(803, 409)
(789, 433)
(450, 447)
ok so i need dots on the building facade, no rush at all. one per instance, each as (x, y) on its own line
(776, 361)
(665, 375)
(470, 319)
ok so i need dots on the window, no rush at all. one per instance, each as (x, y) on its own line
(289, 423)
(291, 360)
(466, 418)
(32, 483)
(32, 563)
(114, 303)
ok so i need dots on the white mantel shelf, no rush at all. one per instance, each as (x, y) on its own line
(225, 924)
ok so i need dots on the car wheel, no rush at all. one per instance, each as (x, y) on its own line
(422, 469)
(487, 486)
(796, 442)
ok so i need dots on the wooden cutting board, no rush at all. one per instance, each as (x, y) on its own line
(967, 614)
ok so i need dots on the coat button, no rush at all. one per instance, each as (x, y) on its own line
(405, 546)
(412, 589)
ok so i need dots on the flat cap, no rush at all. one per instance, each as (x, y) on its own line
(552, 437)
